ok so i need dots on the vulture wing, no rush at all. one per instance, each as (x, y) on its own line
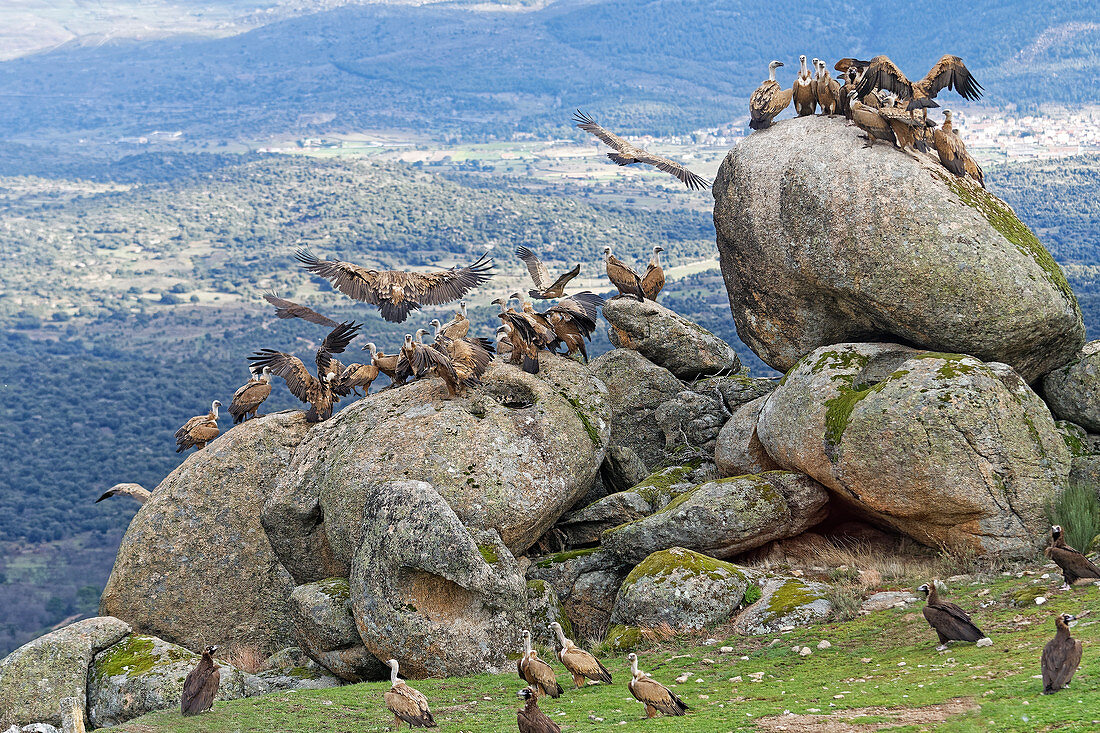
(559, 284)
(581, 309)
(1074, 565)
(953, 622)
(657, 695)
(539, 274)
(447, 286)
(199, 688)
(248, 398)
(298, 380)
(589, 125)
(426, 358)
(289, 309)
(137, 491)
(844, 63)
(689, 179)
(1059, 662)
(531, 719)
(883, 74)
(335, 343)
(951, 73)
(351, 280)
(624, 278)
(409, 705)
(653, 282)
(580, 662)
(538, 672)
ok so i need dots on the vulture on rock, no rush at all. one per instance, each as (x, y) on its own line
(950, 622)
(521, 337)
(357, 376)
(768, 100)
(625, 154)
(536, 672)
(406, 704)
(458, 326)
(247, 399)
(1061, 656)
(625, 280)
(545, 288)
(530, 718)
(828, 90)
(1075, 566)
(470, 357)
(656, 697)
(949, 73)
(805, 91)
(427, 360)
(580, 663)
(289, 309)
(201, 684)
(392, 365)
(653, 281)
(949, 146)
(199, 430)
(574, 320)
(137, 492)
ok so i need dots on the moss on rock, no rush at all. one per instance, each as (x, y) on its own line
(623, 638)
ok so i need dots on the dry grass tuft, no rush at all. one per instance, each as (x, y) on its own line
(245, 657)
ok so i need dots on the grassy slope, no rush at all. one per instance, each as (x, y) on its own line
(904, 671)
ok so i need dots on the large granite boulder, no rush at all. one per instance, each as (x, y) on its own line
(924, 257)
(1073, 391)
(327, 633)
(512, 457)
(725, 517)
(544, 608)
(738, 450)
(691, 419)
(586, 582)
(785, 603)
(195, 566)
(430, 593)
(36, 676)
(668, 339)
(944, 448)
(735, 389)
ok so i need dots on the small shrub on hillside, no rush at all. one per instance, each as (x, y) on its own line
(1077, 510)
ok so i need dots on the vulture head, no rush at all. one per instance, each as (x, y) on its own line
(947, 116)
(265, 375)
(925, 589)
(1056, 532)
(408, 341)
(776, 64)
(371, 348)
(607, 253)
(436, 325)
(1067, 617)
(209, 651)
(658, 248)
(525, 694)
(802, 58)
(516, 296)
(420, 332)
(214, 407)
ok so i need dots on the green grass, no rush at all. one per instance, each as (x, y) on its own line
(904, 670)
(1077, 510)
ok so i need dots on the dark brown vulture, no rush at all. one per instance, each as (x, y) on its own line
(949, 73)
(458, 326)
(546, 338)
(910, 134)
(625, 280)
(1061, 656)
(395, 292)
(656, 697)
(1075, 566)
(319, 392)
(407, 705)
(580, 663)
(137, 492)
(625, 153)
(392, 365)
(804, 93)
(426, 360)
(290, 309)
(653, 281)
(522, 339)
(574, 320)
(847, 90)
(199, 430)
(545, 289)
(536, 672)
(470, 357)
(768, 100)
(530, 718)
(950, 622)
(201, 684)
(247, 399)
(356, 377)
(828, 90)
(857, 66)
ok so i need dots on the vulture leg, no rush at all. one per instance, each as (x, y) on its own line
(578, 680)
(650, 711)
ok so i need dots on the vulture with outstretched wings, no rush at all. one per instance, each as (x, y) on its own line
(626, 154)
(545, 288)
(289, 309)
(949, 73)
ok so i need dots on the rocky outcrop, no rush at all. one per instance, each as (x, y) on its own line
(584, 526)
(327, 633)
(621, 470)
(36, 676)
(1073, 391)
(545, 608)
(724, 517)
(737, 450)
(785, 603)
(925, 257)
(944, 448)
(691, 419)
(195, 566)
(586, 582)
(668, 339)
(735, 389)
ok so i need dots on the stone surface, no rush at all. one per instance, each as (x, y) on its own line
(724, 517)
(621, 470)
(735, 389)
(691, 419)
(737, 450)
(887, 599)
(586, 582)
(1073, 391)
(785, 603)
(668, 339)
(684, 589)
(636, 387)
(195, 566)
(36, 676)
(326, 630)
(584, 527)
(1085, 470)
(930, 259)
(544, 607)
(941, 447)
(427, 592)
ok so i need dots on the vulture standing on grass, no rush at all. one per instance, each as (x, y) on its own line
(828, 91)
(521, 337)
(1075, 566)
(357, 376)
(406, 704)
(653, 281)
(656, 697)
(289, 309)
(768, 100)
(201, 684)
(458, 326)
(199, 430)
(545, 288)
(625, 280)
(247, 399)
(626, 154)
(580, 663)
(950, 622)
(574, 320)
(392, 365)
(395, 292)
(536, 672)
(530, 718)
(805, 92)
(319, 392)
(137, 492)
(949, 146)
(949, 73)
(1061, 656)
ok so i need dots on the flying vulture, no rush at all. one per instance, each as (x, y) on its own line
(574, 320)
(201, 684)
(536, 672)
(580, 663)
(521, 337)
(949, 73)
(804, 92)
(1075, 566)
(950, 622)
(199, 430)
(768, 100)
(137, 492)
(545, 288)
(656, 697)
(289, 309)
(828, 91)
(1061, 656)
(318, 392)
(653, 281)
(395, 292)
(406, 704)
(953, 153)
(247, 399)
(626, 154)
(625, 280)
(530, 718)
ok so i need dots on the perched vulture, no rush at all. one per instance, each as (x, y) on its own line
(950, 622)
(805, 91)
(625, 280)
(318, 392)
(580, 663)
(574, 320)
(199, 430)
(504, 344)
(521, 337)
(535, 672)
(626, 154)
(870, 121)
(1061, 656)
(949, 73)
(540, 324)
(828, 91)
(201, 684)
(356, 376)
(532, 720)
(656, 697)
(392, 365)
(458, 326)
(289, 309)
(137, 492)
(1075, 566)
(768, 100)
(470, 357)
(247, 399)
(544, 289)
(395, 292)
(653, 281)
(953, 153)
(856, 66)
(910, 133)
(426, 360)
(406, 704)
(847, 90)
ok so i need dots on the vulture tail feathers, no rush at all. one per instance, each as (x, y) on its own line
(530, 365)
(397, 312)
(621, 159)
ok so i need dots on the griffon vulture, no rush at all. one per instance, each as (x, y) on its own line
(201, 684)
(470, 357)
(805, 91)
(247, 399)
(625, 280)
(768, 100)
(1075, 566)
(828, 91)
(406, 704)
(392, 365)
(574, 320)
(199, 430)
(953, 153)
(1061, 656)
(137, 492)
(545, 288)
(521, 337)
(289, 309)
(625, 153)
(426, 360)
(949, 73)
(536, 672)
(870, 121)
(530, 718)
(458, 326)
(950, 622)
(653, 281)
(357, 376)
(580, 663)
(656, 697)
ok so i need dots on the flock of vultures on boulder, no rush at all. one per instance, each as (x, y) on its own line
(875, 95)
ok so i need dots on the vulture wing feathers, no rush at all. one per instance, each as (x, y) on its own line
(881, 73)
(289, 309)
(692, 180)
(951, 73)
(589, 125)
(200, 687)
(539, 274)
(409, 705)
(657, 696)
(298, 380)
(335, 342)
(137, 491)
